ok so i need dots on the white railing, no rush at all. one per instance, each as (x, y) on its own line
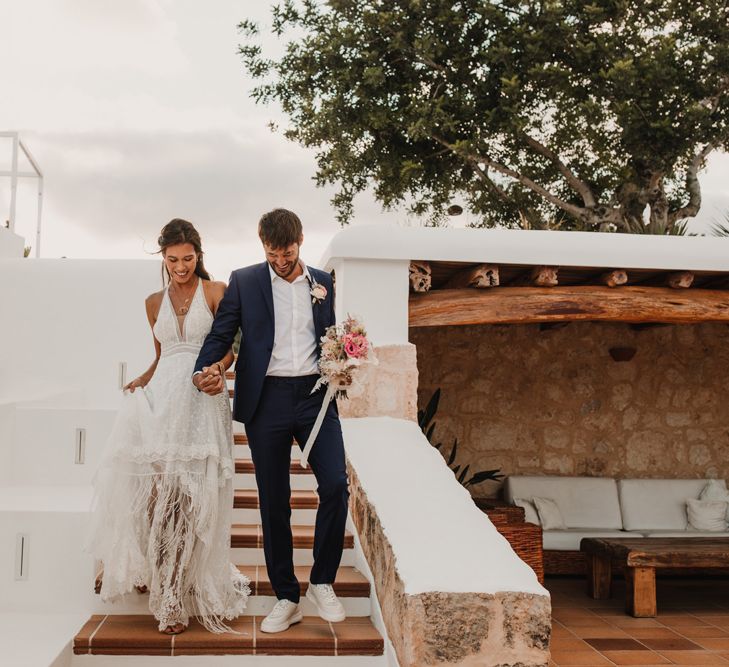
(14, 175)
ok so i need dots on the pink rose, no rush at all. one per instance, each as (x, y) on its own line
(355, 346)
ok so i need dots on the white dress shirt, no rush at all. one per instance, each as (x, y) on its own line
(294, 343)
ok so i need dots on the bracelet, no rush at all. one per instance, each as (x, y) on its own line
(221, 366)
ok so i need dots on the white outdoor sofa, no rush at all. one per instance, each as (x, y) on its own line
(605, 507)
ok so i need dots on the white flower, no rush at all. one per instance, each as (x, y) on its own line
(318, 293)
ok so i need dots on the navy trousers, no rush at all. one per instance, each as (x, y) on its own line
(287, 410)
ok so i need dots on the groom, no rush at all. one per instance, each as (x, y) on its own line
(283, 308)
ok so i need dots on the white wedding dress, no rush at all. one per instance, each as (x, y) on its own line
(163, 493)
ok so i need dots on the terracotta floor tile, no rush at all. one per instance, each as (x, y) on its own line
(680, 620)
(131, 632)
(690, 609)
(658, 632)
(248, 499)
(349, 583)
(715, 619)
(558, 630)
(81, 641)
(356, 638)
(567, 644)
(196, 640)
(591, 621)
(312, 636)
(694, 632)
(628, 622)
(600, 631)
(604, 644)
(581, 658)
(670, 644)
(581, 619)
(694, 658)
(250, 536)
(636, 658)
(714, 643)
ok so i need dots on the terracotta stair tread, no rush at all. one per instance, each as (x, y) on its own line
(350, 583)
(246, 467)
(137, 634)
(249, 536)
(300, 500)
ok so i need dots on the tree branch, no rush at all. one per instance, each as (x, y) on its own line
(577, 184)
(576, 211)
(485, 178)
(693, 187)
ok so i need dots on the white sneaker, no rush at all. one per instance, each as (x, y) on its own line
(284, 614)
(323, 597)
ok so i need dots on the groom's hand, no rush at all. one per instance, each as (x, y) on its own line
(210, 381)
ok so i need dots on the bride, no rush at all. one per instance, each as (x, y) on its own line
(163, 493)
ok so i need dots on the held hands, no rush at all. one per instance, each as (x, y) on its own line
(210, 380)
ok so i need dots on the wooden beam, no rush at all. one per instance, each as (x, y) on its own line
(483, 275)
(519, 305)
(420, 276)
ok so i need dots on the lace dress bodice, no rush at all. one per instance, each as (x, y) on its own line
(195, 327)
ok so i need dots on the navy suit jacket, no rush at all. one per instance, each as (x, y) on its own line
(248, 304)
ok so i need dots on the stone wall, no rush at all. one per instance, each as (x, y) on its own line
(387, 388)
(553, 401)
(506, 629)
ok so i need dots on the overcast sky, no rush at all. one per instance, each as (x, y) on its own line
(138, 111)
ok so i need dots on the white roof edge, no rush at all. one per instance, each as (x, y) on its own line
(531, 247)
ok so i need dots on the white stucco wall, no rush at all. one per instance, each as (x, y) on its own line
(11, 245)
(376, 291)
(66, 325)
(531, 247)
(440, 539)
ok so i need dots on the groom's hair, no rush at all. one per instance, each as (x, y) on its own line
(280, 228)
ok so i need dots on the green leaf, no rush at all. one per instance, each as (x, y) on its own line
(463, 474)
(452, 457)
(414, 100)
(485, 475)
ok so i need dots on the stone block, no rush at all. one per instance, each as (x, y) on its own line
(506, 629)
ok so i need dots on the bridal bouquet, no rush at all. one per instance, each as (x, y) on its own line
(344, 348)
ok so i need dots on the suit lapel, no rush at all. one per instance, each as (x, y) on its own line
(264, 282)
(316, 310)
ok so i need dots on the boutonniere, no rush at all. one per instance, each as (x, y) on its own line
(318, 292)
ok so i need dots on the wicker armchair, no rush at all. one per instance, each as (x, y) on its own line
(525, 538)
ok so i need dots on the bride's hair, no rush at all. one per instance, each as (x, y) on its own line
(178, 231)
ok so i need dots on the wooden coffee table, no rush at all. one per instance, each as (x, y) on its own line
(641, 557)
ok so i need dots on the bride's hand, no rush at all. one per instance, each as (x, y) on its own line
(211, 380)
(138, 382)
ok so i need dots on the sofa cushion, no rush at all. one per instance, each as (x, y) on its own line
(530, 512)
(657, 504)
(583, 501)
(549, 515)
(706, 514)
(569, 540)
(715, 489)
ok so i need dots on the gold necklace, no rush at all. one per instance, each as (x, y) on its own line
(182, 310)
